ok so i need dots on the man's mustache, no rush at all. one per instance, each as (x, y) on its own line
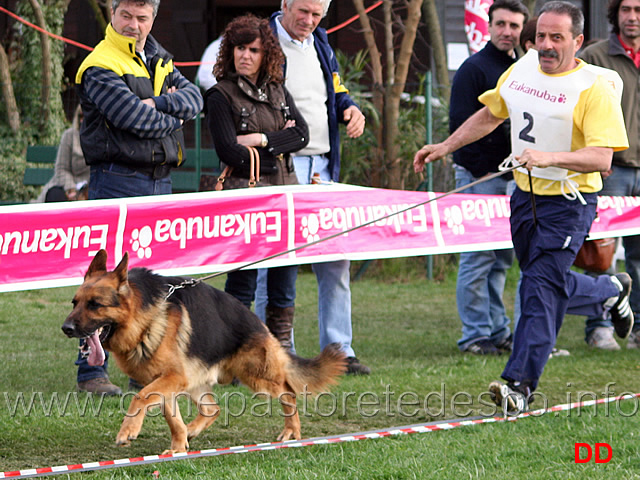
(548, 54)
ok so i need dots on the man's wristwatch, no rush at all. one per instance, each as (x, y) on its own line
(265, 141)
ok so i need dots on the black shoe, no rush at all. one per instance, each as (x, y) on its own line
(621, 313)
(506, 344)
(482, 347)
(354, 367)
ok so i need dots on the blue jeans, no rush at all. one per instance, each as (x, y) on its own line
(112, 180)
(481, 278)
(546, 252)
(334, 291)
(280, 286)
(623, 181)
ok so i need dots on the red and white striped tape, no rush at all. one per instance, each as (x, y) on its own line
(392, 431)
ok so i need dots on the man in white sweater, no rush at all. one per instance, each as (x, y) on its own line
(312, 77)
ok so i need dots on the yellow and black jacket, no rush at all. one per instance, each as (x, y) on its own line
(118, 127)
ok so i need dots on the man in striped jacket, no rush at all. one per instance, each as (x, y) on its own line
(135, 103)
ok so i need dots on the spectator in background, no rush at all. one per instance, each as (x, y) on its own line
(621, 52)
(205, 76)
(249, 106)
(482, 275)
(70, 170)
(313, 79)
(528, 35)
(134, 102)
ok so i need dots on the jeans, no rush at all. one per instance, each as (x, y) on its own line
(280, 286)
(334, 291)
(481, 278)
(111, 180)
(623, 181)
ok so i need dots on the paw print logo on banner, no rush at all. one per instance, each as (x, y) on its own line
(310, 228)
(141, 241)
(562, 98)
(453, 216)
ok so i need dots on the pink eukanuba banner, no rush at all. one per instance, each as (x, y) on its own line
(50, 245)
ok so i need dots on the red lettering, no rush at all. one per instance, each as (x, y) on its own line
(609, 450)
(578, 446)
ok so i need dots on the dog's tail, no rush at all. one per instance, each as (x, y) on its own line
(313, 375)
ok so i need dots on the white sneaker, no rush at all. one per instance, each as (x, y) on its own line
(633, 340)
(621, 313)
(602, 338)
(513, 402)
(559, 352)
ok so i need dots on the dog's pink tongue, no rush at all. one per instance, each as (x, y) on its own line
(96, 357)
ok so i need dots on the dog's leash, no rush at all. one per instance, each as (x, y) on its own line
(533, 201)
(192, 282)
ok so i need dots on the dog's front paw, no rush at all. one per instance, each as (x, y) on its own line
(288, 434)
(176, 448)
(128, 432)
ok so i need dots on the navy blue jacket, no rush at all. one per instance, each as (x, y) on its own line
(477, 74)
(338, 99)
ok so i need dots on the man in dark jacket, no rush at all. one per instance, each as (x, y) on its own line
(134, 102)
(313, 79)
(481, 275)
(621, 52)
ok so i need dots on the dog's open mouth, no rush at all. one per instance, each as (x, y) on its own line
(92, 349)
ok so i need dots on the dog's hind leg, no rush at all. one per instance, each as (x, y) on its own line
(208, 411)
(162, 392)
(291, 419)
(284, 393)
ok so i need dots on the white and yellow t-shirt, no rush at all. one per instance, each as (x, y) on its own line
(559, 113)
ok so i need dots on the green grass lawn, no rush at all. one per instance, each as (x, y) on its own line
(405, 329)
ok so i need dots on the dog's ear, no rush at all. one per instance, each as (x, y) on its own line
(122, 270)
(98, 264)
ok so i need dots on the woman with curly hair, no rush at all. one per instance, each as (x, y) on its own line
(250, 107)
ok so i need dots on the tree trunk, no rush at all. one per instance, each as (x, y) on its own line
(46, 61)
(531, 5)
(389, 84)
(400, 72)
(377, 162)
(13, 114)
(102, 21)
(390, 114)
(437, 48)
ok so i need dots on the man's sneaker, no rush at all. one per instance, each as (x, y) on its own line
(482, 347)
(100, 386)
(621, 313)
(354, 367)
(510, 398)
(634, 339)
(559, 352)
(602, 338)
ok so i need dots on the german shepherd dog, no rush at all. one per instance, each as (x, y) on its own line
(182, 342)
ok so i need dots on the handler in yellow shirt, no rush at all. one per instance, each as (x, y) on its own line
(566, 122)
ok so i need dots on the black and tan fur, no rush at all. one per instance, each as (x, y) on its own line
(186, 343)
